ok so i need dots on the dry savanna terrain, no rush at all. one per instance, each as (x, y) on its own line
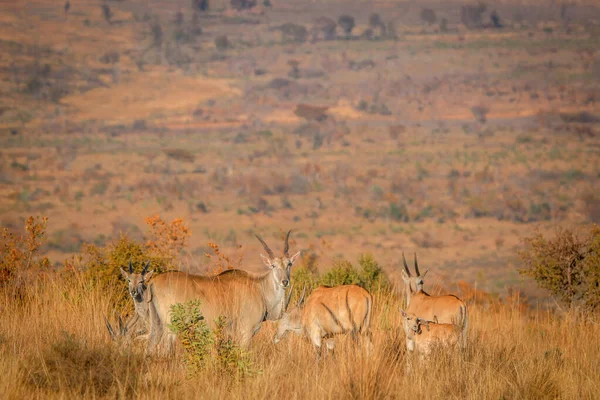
(449, 129)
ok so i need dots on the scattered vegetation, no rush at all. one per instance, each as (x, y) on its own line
(205, 349)
(568, 265)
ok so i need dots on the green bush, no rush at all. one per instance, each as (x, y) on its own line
(230, 358)
(204, 349)
(370, 275)
(568, 265)
(342, 273)
(188, 323)
(103, 264)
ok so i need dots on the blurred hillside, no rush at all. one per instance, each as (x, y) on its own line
(444, 128)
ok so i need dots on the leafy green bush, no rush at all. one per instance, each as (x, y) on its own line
(103, 264)
(342, 273)
(205, 349)
(188, 323)
(230, 358)
(568, 265)
(370, 275)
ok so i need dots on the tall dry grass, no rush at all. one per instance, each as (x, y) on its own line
(53, 344)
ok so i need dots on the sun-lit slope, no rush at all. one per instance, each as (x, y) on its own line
(146, 94)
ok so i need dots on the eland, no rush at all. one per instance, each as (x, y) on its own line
(329, 311)
(447, 309)
(138, 285)
(422, 335)
(243, 299)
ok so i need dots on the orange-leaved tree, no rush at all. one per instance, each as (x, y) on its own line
(20, 260)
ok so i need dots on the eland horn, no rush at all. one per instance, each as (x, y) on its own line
(267, 249)
(417, 266)
(405, 265)
(286, 247)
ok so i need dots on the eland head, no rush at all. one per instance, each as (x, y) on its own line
(291, 320)
(414, 283)
(281, 266)
(137, 282)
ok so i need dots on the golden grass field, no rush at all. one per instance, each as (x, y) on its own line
(511, 354)
(450, 142)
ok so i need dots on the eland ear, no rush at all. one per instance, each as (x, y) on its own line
(148, 293)
(266, 261)
(402, 312)
(148, 275)
(405, 276)
(124, 274)
(294, 257)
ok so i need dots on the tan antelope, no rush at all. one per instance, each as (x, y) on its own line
(137, 285)
(447, 309)
(423, 335)
(245, 300)
(329, 311)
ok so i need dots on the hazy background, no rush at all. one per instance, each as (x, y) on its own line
(441, 127)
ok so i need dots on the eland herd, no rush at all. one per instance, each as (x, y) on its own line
(246, 301)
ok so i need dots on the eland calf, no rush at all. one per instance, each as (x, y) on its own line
(423, 335)
(329, 311)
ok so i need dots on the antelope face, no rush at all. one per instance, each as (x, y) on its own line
(291, 321)
(137, 282)
(413, 282)
(412, 324)
(281, 266)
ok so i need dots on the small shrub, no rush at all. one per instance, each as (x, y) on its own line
(480, 113)
(346, 22)
(372, 276)
(19, 255)
(242, 4)
(443, 25)
(162, 249)
(472, 16)
(326, 26)
(291, 32)
(376, 24)
(230, 358)
(496, 21)
(204, 349)
(342, 273)
(188, 323)
(398, 212)
(182, 155)
(567, 265)
(107, 13)
(200, 5)
(222, 43)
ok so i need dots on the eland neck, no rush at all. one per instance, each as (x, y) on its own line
(273, 293)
